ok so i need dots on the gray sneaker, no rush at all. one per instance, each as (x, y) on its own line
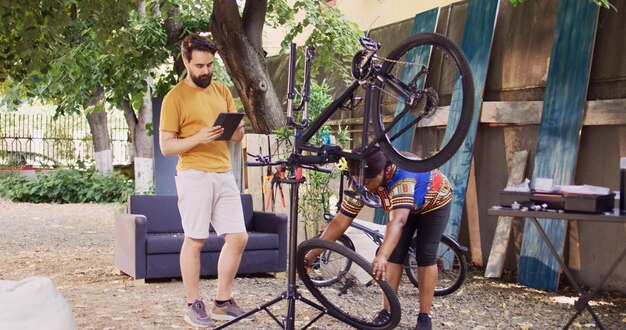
(229, 311)
(196, 315)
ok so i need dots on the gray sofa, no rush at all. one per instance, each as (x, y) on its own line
(149, 236)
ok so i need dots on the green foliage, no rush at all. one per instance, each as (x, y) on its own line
(334, 36)
(279, 13)
(67, 186)
(95, 53)
(601, 3)
(193, 15)
(33, 33)
(133, 52)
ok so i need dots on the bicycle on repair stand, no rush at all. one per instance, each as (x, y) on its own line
(427, 83)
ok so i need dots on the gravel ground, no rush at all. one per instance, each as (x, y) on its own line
(74, 244)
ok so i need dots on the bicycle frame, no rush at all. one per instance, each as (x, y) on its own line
(305, 130)
(374, 235)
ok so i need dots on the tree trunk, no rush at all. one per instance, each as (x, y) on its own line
(101, 143)
(245, 61)
(174, 28)
(143, 146)
(100, 136)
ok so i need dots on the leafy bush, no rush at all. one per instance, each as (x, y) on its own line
(67, 186)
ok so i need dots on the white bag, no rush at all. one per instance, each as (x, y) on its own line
(33, 303)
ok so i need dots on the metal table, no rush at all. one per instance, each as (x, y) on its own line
(583, 301)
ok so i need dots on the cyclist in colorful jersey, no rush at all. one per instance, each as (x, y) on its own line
(417, 203)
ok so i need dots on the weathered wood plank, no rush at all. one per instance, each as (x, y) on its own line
(476, 44)
(512, 112)
(605, 112)
(503, 229)
(559, 133)
(599, 112)
(473, 220)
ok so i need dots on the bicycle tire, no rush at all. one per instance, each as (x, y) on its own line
(451, 273)
(354, 300)
(439, 48)
(324, 259)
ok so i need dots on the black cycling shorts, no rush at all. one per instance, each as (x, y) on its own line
(429, 228)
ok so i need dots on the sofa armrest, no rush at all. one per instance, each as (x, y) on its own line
(130, 244)
(266, 222)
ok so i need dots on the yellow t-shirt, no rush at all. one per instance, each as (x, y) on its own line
(185, 111)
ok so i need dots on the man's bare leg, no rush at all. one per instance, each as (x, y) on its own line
(228, 263)
(190, 267)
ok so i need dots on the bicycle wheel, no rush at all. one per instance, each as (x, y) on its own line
(451, 265)
(329, 268)
(425, 83)
(355, 298)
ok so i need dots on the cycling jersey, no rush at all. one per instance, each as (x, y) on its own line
(421, 192)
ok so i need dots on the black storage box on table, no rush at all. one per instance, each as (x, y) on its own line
(588, 203)
(553, 201)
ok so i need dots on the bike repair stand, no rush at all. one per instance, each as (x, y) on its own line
(291, 295)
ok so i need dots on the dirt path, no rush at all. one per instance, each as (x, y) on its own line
(73, 245)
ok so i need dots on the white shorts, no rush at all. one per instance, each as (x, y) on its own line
(209, 198)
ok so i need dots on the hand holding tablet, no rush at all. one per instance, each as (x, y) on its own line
(229, 121)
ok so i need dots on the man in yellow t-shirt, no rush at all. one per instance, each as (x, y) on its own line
(207, 192)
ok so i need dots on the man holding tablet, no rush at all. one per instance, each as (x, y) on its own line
(207, 192)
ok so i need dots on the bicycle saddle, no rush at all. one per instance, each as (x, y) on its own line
(369, 44)
(368, 198)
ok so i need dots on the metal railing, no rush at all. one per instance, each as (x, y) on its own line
(40, 140)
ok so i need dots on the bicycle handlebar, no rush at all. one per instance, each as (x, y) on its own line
(306, 167)
(284, 162)
(265, 163)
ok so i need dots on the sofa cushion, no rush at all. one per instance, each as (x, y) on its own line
(171, 243)
(168, 265)
(161, 211)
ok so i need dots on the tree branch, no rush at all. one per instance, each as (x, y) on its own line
(226, 11)
(253, 21)
(131, 118)
(173, 27)
(141, 8)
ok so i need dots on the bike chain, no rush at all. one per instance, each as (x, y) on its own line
(397, 61)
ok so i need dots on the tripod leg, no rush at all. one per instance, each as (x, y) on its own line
(254, 311)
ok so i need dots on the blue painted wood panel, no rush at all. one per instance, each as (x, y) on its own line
(559, 132)
(423, 22)
(476, 44)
